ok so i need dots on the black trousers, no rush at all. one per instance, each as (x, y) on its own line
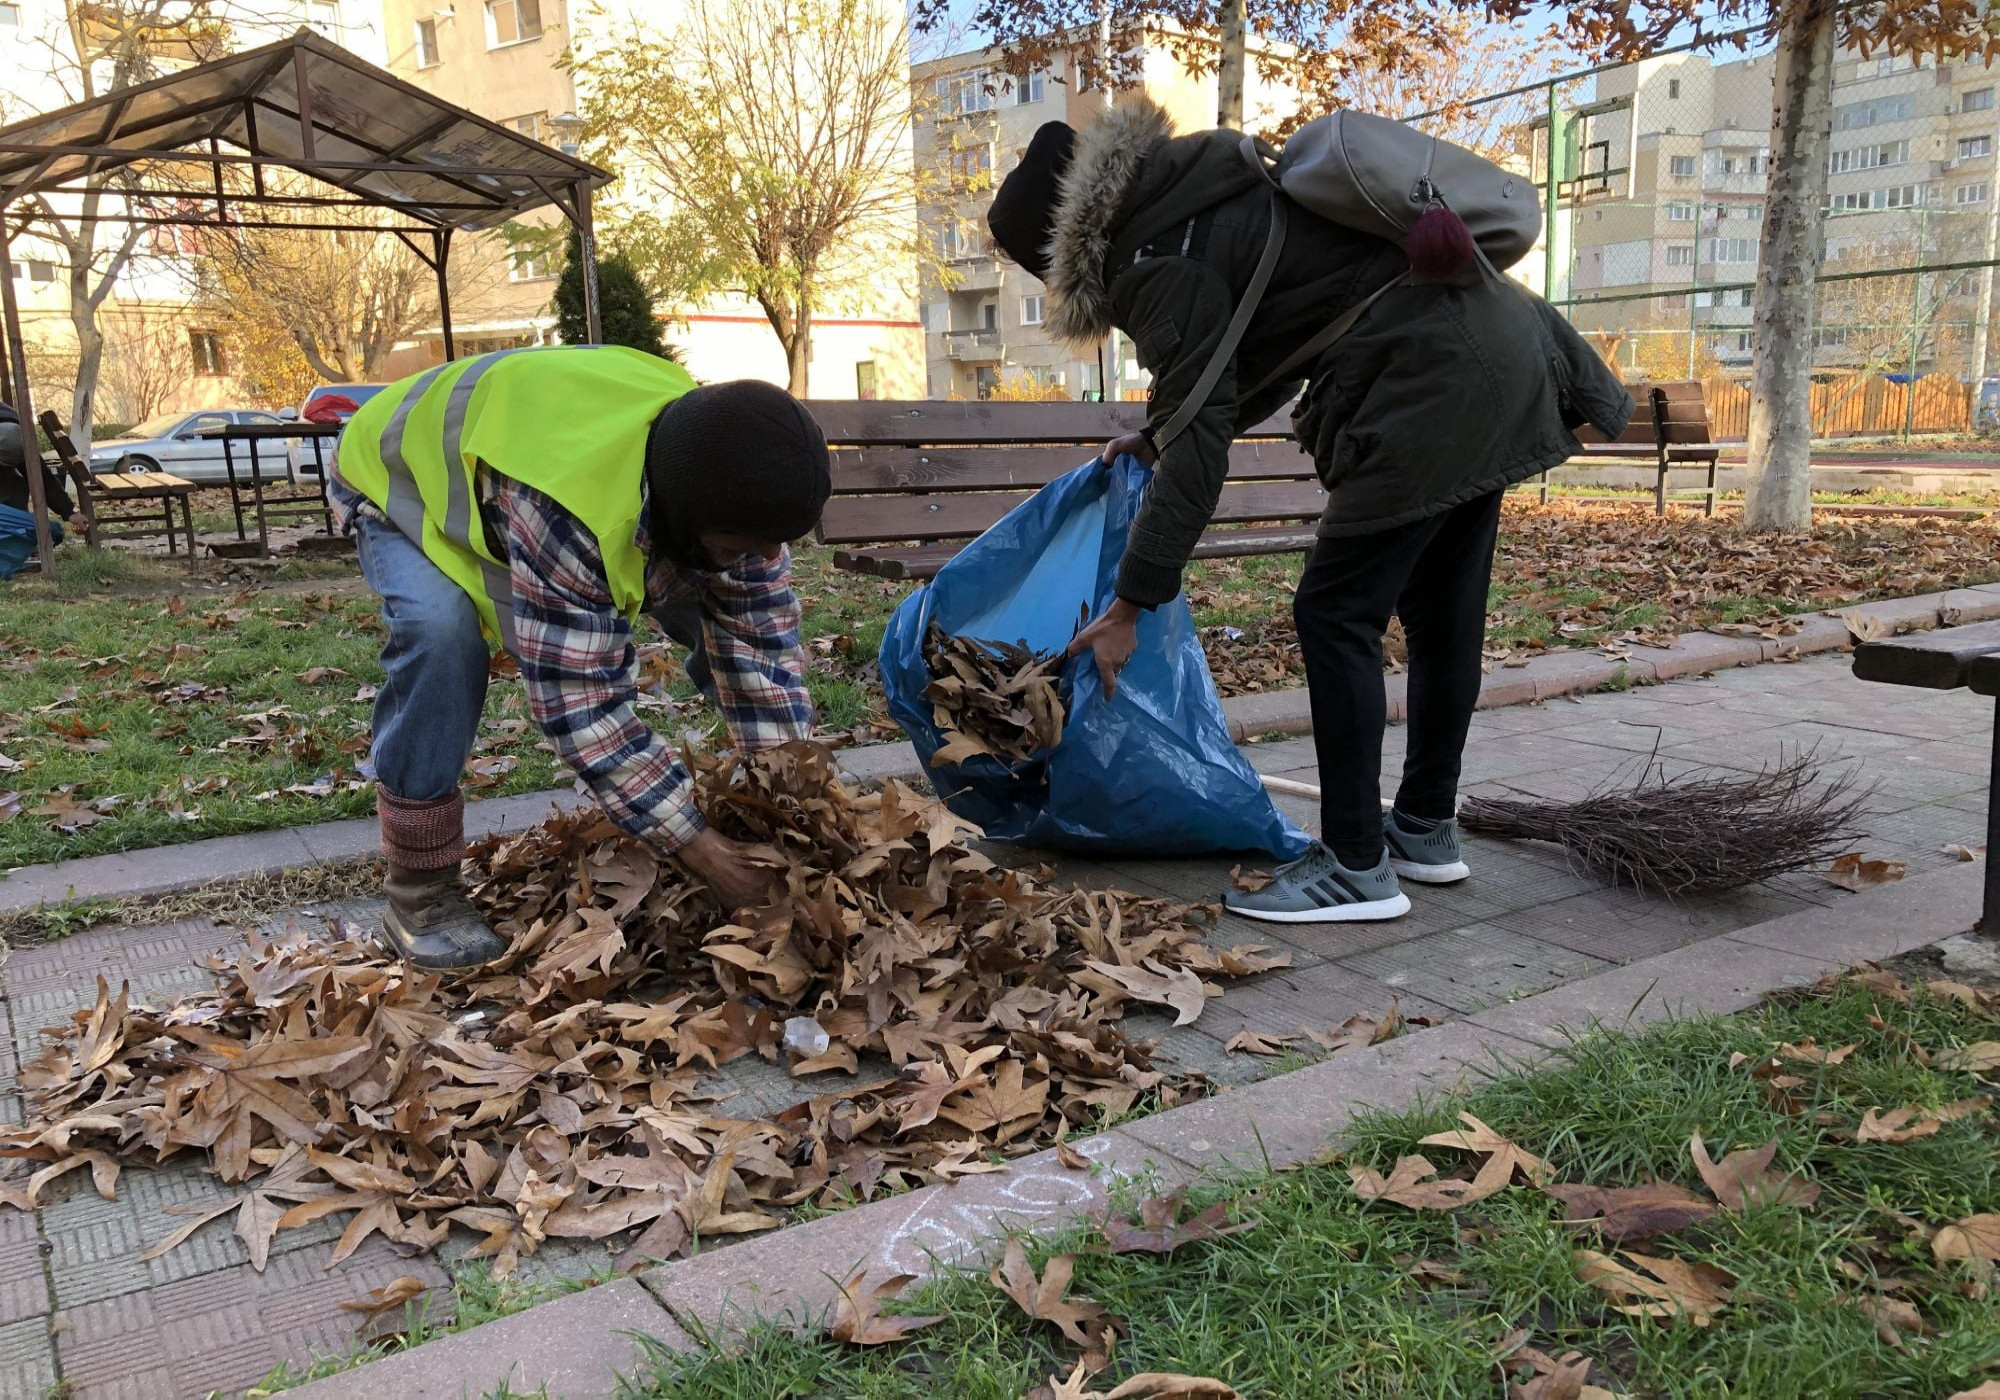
(1433, 574)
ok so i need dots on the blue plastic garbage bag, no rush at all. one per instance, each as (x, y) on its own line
(1150, 772)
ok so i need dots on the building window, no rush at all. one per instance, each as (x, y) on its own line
(36, 270)
(324, 16)
(1680, 167)
(1031, 88)
(206, 349)
(964, 93)
(1680, 213)
(1031, 311)
(972, 167)
(10, 16)
(1978, 100)
(1743, 342)
(989, 316)
(865, 386)
(530, 265)
(1972, 147)
(1673, 87)
(1902, 196)
(529, 126)
(1882, 109)
(427, 43)
(1735, 250)
(1970, 194)
(1680, 255)
(512, 22)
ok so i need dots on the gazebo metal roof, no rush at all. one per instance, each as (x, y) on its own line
(308, 105)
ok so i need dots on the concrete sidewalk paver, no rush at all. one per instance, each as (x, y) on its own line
(1514, 961)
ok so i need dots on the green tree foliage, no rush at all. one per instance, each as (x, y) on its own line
(623, 303)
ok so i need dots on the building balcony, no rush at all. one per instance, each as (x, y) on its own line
(980, 274)
(975, 347)
(1742, 182)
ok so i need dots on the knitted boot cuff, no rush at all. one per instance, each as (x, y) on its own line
(421, 835)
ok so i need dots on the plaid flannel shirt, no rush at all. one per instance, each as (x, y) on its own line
(581, 669)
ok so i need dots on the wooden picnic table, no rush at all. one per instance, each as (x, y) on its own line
(313, 502)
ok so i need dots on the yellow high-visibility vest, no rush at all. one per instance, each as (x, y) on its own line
(569, 420)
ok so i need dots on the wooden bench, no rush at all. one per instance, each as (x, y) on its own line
(1668, 430)
(1945, 660)
(141, 496)
(914, 481)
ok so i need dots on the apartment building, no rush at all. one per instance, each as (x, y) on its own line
(983, 317)
(1672, 248)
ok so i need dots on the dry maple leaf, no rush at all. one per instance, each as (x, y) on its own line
(1855, 872)
(387, 1298)
(1807, 1053)
(1561, 1379)
(1624, 1213)
(857, 1316)
(1744, 1178)
(1478, 1138)
(1080, 1319)
(1982, 1057)
(65, 813)
(1409, 1183)
(1975, 1237)
(1989, 1390)
(1897, 1125)
(1662, 1287)
(1175, 987)
(1249, 881)
(1148, 1385)
(1892, 1317)
(1160, 1230)
(1258, 1043)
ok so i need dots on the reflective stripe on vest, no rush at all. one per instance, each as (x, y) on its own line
(406, 503)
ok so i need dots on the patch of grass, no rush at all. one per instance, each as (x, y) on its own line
(476, 1298)
(1318, 1297)
(238, 901)
(1621, 679)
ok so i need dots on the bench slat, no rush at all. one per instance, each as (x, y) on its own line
(1936, 660)
(881, 519)
(884, 422)
(873, 470)
(924, 561)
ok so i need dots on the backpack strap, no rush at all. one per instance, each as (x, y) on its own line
(1225, 351)
(1320, 343)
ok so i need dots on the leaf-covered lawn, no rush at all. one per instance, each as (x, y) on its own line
(126, 723)
(1701, 1211)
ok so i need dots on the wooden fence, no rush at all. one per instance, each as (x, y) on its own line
(1857, 406)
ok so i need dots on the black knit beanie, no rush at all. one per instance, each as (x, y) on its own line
(741, 458)
(1022, 217)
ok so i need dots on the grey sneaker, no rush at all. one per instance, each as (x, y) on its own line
(1317, 889)
(1428, 857)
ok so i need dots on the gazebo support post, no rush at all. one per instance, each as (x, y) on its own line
(441, 259)
(593, 315)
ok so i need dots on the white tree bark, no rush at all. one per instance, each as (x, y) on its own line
(1230, 80)
(1780, 496)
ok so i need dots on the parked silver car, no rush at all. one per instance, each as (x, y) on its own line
(173, 443)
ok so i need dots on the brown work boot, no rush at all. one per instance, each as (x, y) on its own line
(430, 921)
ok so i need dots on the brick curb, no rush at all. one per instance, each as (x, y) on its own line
(792, 1275)
(168, 869)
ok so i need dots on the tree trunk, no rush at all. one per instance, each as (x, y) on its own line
(1230, 79)
(1780, 496)
(798, 354)
(89, 360)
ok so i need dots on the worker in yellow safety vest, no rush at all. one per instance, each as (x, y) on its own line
(540, 500)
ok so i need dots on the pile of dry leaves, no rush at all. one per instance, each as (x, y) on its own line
(993, 698)
(554, 1093)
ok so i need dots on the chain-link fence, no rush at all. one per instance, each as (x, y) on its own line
(1653, 178)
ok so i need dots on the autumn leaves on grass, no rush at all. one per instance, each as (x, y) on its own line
(1160, 1229)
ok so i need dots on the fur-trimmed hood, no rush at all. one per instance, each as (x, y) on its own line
(1109, 156)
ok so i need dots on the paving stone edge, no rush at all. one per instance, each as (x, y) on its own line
(793, 1275)
(163, 870)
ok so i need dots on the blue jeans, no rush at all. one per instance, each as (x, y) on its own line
(17, 539)
(433, 688)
